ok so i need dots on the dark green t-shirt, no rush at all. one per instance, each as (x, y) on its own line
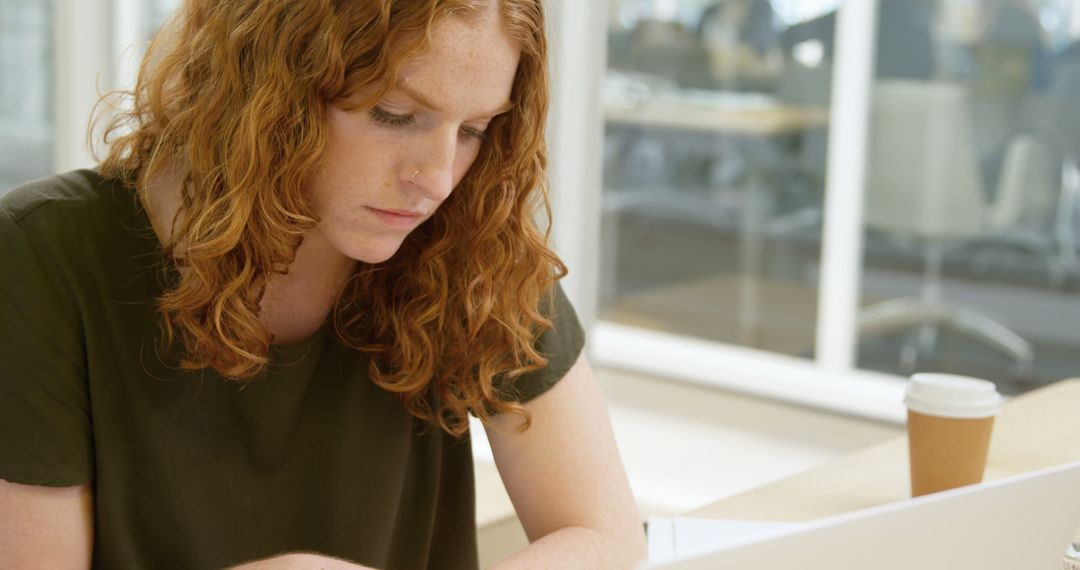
(189, 470)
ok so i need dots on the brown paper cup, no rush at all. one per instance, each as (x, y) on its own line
(950, 420)
(946, 452)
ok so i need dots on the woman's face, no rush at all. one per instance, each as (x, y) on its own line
(387, 169)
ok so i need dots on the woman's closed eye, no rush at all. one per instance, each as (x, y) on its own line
(387, 118)
(392, 119)
(474, 133)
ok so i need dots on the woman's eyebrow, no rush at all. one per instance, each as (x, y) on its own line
(425, 101)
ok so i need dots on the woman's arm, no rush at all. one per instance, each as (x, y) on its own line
(567, 482)
(300, 561)
(52, 527)
(45, 527)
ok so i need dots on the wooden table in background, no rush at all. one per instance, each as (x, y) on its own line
(726, 114)
(766, 119)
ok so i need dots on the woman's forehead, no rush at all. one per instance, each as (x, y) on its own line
(473, 59)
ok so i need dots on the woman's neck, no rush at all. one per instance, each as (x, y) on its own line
(295, 304)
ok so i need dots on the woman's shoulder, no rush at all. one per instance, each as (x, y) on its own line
(71, 211)
(78, 192)
(71, 221)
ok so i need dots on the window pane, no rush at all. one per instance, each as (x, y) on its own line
(971, 258)
(157, 11)
(26, 91)
(714, 164)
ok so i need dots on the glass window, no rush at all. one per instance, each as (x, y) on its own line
(157, 11)
(26, 91)
(715, 148)
(714, 168)
(971, 207)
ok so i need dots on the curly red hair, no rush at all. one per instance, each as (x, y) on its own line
(236, 91)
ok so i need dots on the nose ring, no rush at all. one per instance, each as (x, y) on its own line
(414, 175)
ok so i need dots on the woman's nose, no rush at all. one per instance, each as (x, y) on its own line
(434, 170)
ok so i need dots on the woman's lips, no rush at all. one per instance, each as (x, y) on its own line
(400, 219)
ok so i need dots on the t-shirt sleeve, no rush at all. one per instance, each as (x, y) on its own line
(561, 345)
(45, 423)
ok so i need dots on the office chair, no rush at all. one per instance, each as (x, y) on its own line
(924, 184)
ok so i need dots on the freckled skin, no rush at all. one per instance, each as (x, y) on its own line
(467, 73)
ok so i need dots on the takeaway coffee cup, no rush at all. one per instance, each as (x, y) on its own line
(949, 423)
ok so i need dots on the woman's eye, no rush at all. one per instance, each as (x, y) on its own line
(474, 133)
(387, 118)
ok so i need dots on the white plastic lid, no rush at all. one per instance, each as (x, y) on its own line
(952, 396)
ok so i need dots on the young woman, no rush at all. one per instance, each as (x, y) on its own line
(255, 333)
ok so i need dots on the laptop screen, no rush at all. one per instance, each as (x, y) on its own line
(1018, 523)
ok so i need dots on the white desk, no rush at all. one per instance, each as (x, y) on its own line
(1037, 430)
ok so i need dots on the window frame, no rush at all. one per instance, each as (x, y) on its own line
(83, 57)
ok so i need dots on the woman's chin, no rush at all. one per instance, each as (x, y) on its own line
(374, 253)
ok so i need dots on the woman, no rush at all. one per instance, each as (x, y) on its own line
(255, 334)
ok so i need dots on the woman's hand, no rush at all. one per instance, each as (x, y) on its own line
(300, 561)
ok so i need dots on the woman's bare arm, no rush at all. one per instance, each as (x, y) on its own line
(300, 561)
(52, 527)
(46, 527)
(567, 482)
